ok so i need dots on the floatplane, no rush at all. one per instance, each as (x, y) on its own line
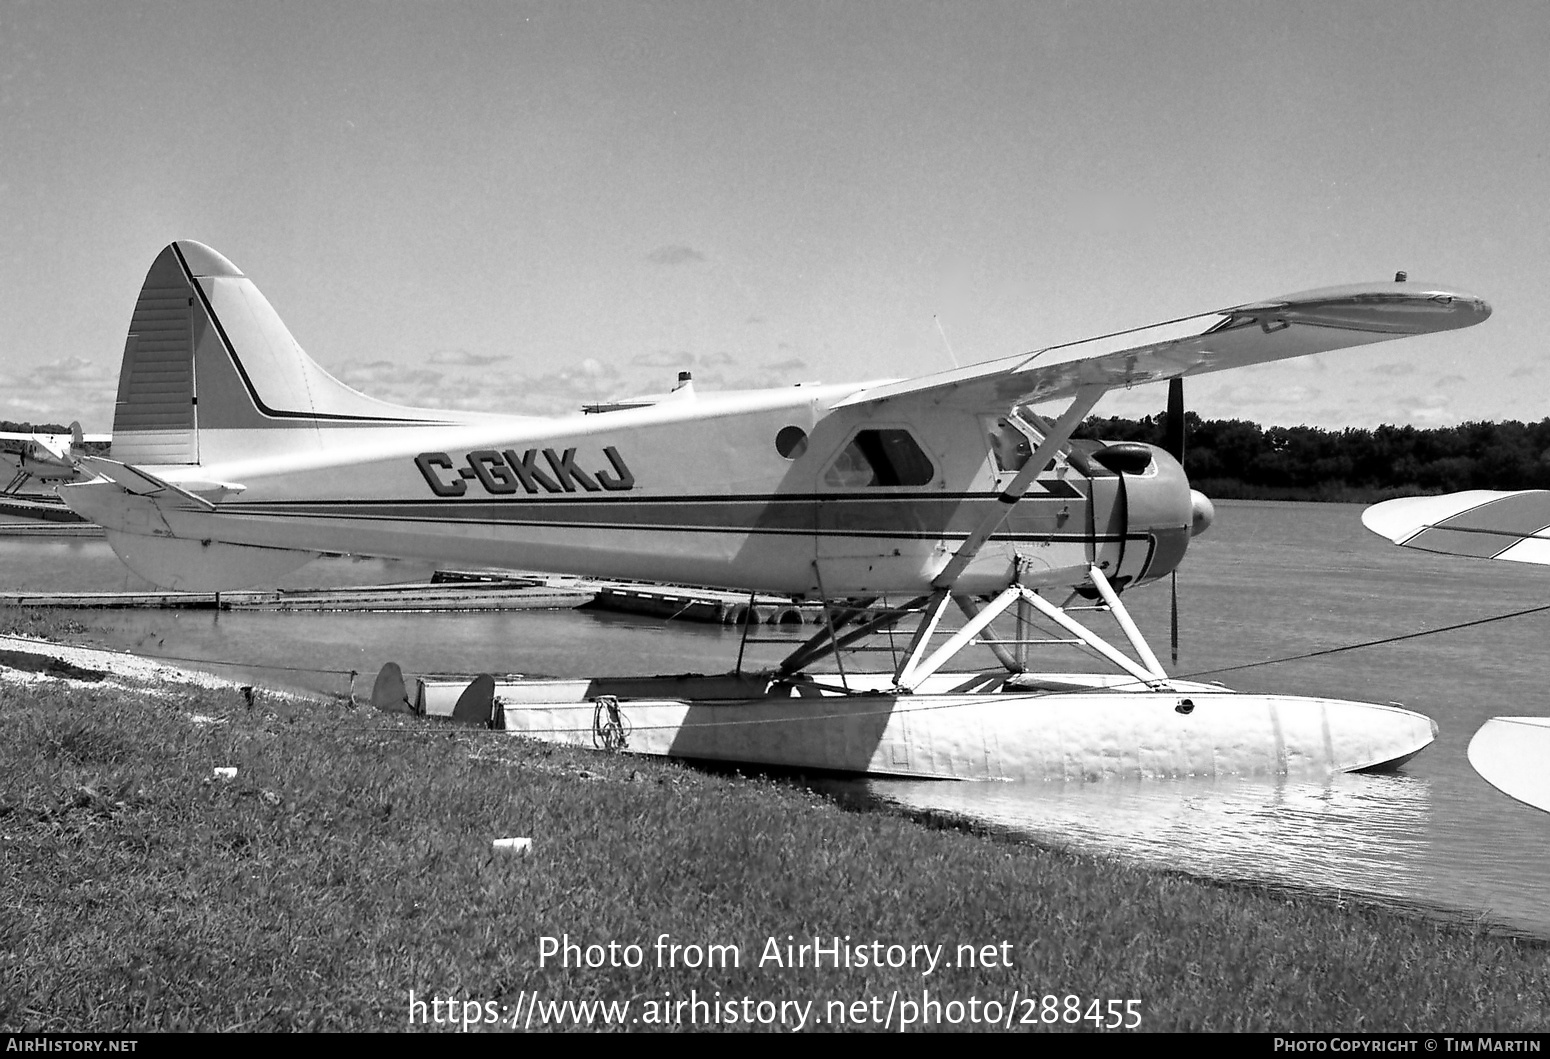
(1509, 752)
(237, 458)
(46, 460)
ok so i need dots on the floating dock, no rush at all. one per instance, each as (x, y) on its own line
(50, 511)
(482, 596)
(50, 529)
(679, 603)
(448, 590)
(457, 591)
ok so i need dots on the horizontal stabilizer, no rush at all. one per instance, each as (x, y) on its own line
(1483, 523)
(138, 512)
(142, 483)
(1292, 326)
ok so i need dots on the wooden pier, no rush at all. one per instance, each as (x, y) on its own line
(448, 590)
(458, 592)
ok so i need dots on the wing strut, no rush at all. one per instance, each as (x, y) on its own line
(1059, 434)
(823, 643)
(935, 607)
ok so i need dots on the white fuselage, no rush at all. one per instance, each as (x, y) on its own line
(692, 491)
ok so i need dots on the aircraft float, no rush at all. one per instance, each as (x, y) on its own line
(1509, 752)
(237, 458)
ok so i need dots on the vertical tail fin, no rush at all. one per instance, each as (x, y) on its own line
(153, 418)
(212, 374)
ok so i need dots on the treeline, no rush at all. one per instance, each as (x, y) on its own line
(8, 427)
(1233, 458)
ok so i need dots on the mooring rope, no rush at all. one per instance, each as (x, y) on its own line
(1369, 643)
(609, 730)
(241, 665)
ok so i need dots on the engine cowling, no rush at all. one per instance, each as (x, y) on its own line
(1156, 507)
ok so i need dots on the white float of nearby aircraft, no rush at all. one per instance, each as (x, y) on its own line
(237, 458)
(1510, 752)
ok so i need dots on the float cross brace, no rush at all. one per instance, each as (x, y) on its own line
(914, 669)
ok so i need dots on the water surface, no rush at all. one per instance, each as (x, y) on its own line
(1269, 581)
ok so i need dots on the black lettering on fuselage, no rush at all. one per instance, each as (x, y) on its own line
(501, 473)
(626, 480)
(566, 471)
(492, 471)
(528, 472)
(426, 460)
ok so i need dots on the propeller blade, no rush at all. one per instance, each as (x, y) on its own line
(1173, 441)
(1173, 425)
(1173, 609)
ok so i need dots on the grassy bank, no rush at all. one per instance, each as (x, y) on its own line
(350, 861)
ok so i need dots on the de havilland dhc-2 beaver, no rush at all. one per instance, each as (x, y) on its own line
(236, 459)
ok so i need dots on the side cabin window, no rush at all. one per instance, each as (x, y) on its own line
(877, 458)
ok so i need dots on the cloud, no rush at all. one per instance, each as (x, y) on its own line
(1430, 410)
(663, 358)
(762, 377)
(1449, 381)
(1394, 370)
(562, 392)
(59, 391)
(382, 373)
(453, 379)
(464, 359)
(387, 381)
(676, 254)
(682, 358)
(1520, 373)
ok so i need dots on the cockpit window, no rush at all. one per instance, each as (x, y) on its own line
(880, 458)
(1010, 446)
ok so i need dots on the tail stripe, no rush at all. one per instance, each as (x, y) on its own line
(247, 382)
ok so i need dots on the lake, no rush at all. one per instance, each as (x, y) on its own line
(1268, 581)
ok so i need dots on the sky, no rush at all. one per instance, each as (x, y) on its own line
(525, 207)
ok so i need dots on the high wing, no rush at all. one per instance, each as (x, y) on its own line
(1295, 325)
(1482, 523)
(1292, 326)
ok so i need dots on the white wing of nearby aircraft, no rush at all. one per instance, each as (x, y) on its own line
(1511, 753)
(1482, 523)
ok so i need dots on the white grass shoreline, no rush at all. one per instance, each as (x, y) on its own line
(119, 668)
